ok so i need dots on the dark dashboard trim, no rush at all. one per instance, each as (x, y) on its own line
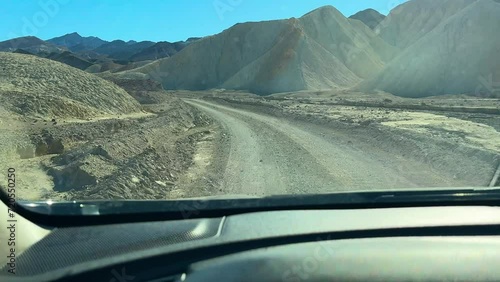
(178, 261)
(70, 214)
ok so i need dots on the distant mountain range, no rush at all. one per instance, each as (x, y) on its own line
(160, 50)
(93, 52)
(422, 48)
(75, 42)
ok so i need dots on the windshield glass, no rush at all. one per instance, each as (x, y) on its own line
(114, 100)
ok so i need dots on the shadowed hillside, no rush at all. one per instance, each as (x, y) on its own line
(158, 51)
(369, 17)
(70, 59)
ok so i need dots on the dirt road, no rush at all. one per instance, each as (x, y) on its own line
(268, 155)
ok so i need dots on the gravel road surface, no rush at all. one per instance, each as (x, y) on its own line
(269, 155)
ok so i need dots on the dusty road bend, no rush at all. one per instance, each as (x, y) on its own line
(270, 155)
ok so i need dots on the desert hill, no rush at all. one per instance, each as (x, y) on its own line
(409, 22)
(43, 88)
(456, 57)
(30, 44)
(422, 48)
(322, 49)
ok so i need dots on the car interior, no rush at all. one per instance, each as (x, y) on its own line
(394, 242)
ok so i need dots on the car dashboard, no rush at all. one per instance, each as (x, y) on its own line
(385, 244)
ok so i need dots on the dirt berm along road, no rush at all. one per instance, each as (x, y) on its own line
(269, 155)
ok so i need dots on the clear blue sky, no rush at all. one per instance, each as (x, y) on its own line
(156, 20)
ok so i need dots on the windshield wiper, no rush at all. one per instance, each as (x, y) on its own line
(496, 178)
